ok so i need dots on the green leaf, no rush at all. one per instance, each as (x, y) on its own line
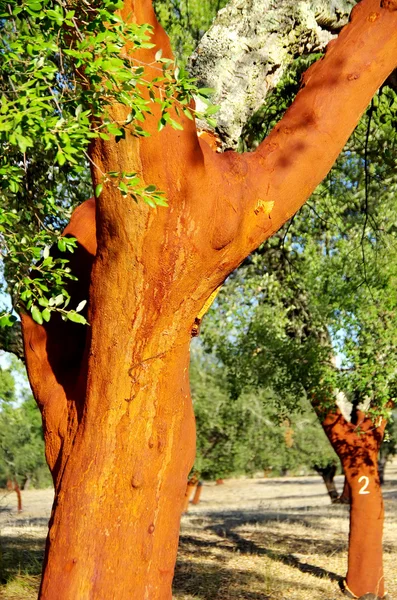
(98, 190)
(205, 92)
(60, 158)
(61, 244)
(123, 188)
(36, 314)
(46, 314)
(149, 201)
(175, 125)
(7, 320)
(58, 300)
(160, 201)
(76, 317)
(188, 113)
(211, 110)
(212, 122)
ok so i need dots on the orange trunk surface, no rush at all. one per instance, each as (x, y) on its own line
(358, 447)
(197, 495)
(115, 400)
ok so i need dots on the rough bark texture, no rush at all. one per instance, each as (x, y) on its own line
(117, 413)
(249, 46)
(358, 447)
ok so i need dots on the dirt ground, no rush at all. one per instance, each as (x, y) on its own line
(249, 539)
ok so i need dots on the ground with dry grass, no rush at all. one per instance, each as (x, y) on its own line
(249, 539)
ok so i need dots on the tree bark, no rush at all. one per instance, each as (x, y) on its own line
(115, 400)
(191, 485)
(197, 495)
(12, 485)
(357, 447)
(382, 462)
(250, 45)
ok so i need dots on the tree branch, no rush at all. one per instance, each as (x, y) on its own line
(249, 47)
(272, 183)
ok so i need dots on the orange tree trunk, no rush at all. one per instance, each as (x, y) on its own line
(197, 495)
(115, 400)
(13, 485)
(358, 447)
(191, 485)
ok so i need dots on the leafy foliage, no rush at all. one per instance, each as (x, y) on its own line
(186, 21)
(61, 67)
(21, 439)
(247, 433)
(314, 309)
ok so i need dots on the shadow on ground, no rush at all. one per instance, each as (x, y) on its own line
(207, 582)
(21, 556)
(225, 536)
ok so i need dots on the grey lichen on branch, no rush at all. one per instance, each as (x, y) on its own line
(249, 46)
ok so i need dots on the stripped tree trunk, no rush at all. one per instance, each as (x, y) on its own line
(358, 447)
(191, 486)
(13, 486)
(197, 495)
(117, 414)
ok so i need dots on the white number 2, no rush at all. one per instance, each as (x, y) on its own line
(364, 490)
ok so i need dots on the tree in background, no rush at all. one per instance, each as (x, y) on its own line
(21, 437)
(252, 431)
(388, 449)
(326, 284)
(115, 399)
(186, 21)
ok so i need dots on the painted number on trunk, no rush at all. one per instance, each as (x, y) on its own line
(364, 490)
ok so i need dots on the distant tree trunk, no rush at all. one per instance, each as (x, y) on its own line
(328, 473)
(191, 484)
(358, 447)
(12, 485)
(197, 495)
(117, 414)
(382, 462)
